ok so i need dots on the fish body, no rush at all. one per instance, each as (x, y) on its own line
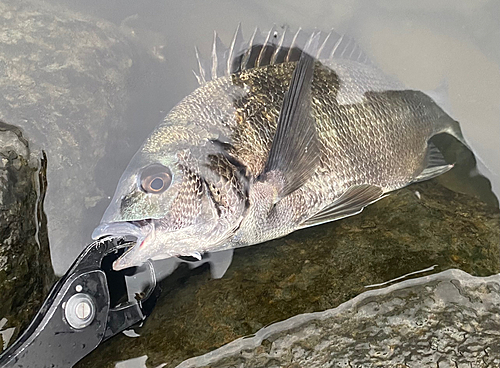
(278, 139)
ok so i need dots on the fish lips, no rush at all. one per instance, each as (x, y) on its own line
(137, 229)
(125, 228)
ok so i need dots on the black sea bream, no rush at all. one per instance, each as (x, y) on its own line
(285, 132)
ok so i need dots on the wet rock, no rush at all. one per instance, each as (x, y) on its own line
(450, 319)
(320, 268)
(68, 81)
(25, 269)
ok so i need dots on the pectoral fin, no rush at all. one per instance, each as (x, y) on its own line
(219, 262)
(294, 152)
(352, 202)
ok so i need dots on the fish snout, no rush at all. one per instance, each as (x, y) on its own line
(116, 229)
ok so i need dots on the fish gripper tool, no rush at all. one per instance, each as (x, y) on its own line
(87, 306)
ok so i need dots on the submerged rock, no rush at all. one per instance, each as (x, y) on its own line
(68, 81)
(320, 268)
(450, 319)
(25, 270)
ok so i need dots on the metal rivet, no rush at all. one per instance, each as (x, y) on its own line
(79, 311)
(78, 288)
(83, 310)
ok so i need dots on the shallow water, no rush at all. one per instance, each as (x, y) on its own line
(422, 44)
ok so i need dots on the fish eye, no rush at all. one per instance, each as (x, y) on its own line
(155, 178)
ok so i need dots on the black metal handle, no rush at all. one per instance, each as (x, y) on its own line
(79, 312)
(55, 338)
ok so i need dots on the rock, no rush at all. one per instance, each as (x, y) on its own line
(69, 82)
(25, 270)
(320, 268)
(450, 319)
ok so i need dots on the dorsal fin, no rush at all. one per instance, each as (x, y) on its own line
(219, 57)
(274, 47)
(236, 45)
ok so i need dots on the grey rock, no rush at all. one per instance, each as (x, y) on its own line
(25, 270)
(450, 319)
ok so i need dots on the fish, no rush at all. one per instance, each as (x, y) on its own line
(285, 131)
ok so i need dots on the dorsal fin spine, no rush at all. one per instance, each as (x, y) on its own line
(279, 46)
(233, 49)
(321, 48)
(200, 66)
(292, 45)
(312, 43)
(215, 57)
(246, 56)
(336, 46)
(264, 50)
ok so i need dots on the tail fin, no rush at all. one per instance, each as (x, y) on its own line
(447, 124)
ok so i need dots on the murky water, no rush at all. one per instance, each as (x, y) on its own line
(424, 44)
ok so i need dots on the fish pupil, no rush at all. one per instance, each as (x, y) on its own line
(157, 184)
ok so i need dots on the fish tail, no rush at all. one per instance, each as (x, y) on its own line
(447, 124)
(443, 109)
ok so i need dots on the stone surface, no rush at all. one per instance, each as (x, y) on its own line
(318, 269)
(67, 81)
(450, 319)
(25, 270)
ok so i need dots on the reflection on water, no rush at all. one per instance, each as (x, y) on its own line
(91, 129)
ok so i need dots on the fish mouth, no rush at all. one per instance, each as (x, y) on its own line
(138, 230)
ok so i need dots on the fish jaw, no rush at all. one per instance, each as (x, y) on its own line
(131, 258)
(141, 231)
(151, 242)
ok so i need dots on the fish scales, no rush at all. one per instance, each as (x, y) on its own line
(361, 143)
(372, 137)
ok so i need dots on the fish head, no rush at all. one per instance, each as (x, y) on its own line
(174, 203)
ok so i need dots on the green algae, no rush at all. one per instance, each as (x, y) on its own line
(25, 268)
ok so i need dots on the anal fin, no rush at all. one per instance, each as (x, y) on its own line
(220, 262)
(352, 202)
(435, 164)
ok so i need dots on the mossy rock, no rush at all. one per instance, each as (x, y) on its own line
(25, 270)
